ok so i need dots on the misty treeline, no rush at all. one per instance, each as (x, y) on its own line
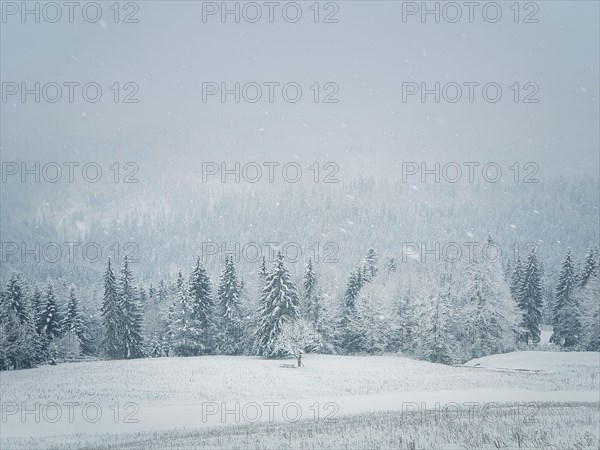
(440, 312)
(169, 221)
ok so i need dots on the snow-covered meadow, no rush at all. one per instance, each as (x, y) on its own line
(214, 401)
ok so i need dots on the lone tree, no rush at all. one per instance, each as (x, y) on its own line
(279, 305)
(296, 338)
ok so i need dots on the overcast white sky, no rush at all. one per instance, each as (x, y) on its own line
(369, 54)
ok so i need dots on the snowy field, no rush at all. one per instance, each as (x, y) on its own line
(253, 402)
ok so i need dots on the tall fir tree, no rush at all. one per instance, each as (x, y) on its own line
(406, 323)
(200, 292)
(587, 298)
(20, 346)
(263, 271)
(50, 316)
(37, 305)
(492, 317)
(530, 299)
(590, 266)
(349, 340)
(516, 280)
(72, 321)
(279, 304)
(311, 300)
(16, 298)
(437, 321)
(131, 327)
(112, 317)
(180, 282)
(230, 320)
(184, 329)
(370, 265)
(565, 314)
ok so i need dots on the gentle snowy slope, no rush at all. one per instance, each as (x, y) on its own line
(170, 393)
(537, 360)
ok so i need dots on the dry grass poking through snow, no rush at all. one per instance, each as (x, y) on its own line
(552, 426)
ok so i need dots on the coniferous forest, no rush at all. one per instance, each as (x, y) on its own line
(410, 297)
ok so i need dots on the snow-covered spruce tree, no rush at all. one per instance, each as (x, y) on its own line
(37, 307)
(348, 340)
(566, 325)
(50, 316)
(112, 317)
(406, 323)
(391, 265)
(185, 334)
(19, 342)
(180, 282)
(279, 304)
(200, 292)
(19, 347)
(9, 328)
(131, 326)
(370, 265)
(230, 317)
(372, 322)
(142, 297)
(162, 292)
(516, 281)
(263, 271)
(440, 319)
(73, 322)
(590, 266)
(311, 298)
(155, 313)
(490, 311)
(174, 297)
(587, 298)
(530, 300)
(15, 297)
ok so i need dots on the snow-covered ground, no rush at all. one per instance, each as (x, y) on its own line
(165, 394)
(546, 361)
